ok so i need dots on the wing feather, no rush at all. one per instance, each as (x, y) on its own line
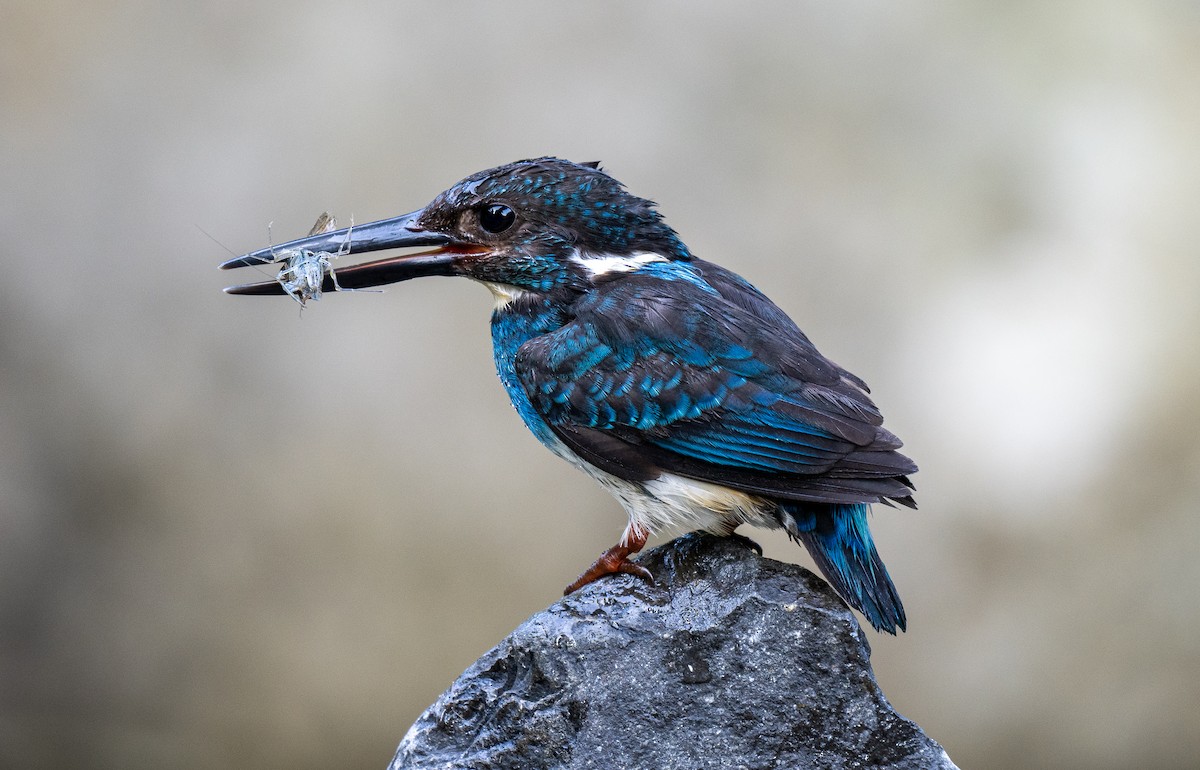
(708, 382)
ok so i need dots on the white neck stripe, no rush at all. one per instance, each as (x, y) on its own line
(610, 263)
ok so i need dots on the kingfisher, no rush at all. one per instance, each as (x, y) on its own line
(673, 382)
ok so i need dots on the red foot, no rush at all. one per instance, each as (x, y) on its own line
(612, 561)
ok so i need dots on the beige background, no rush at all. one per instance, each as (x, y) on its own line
(234, 537)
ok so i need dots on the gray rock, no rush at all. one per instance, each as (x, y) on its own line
(728, 661)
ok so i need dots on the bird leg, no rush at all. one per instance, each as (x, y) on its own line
(616, 559)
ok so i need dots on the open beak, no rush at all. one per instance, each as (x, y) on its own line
(395, 233)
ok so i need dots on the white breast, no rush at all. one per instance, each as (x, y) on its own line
(674, 502)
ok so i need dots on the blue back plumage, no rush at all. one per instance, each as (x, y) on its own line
(670, 365)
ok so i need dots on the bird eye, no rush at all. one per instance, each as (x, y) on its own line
(495, 218)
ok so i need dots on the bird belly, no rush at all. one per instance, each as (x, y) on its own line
(672, 502)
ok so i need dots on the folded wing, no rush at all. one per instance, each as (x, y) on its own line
(702, 379)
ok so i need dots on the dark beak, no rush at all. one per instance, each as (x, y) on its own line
(395, 233)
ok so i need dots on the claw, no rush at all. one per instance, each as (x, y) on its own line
(614, 560)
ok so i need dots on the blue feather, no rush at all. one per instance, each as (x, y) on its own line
(838, 539)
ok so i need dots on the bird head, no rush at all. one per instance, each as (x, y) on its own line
(543, 226)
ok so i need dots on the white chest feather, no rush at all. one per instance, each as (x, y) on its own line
(503, 293)
(675, 502)
(672, 502)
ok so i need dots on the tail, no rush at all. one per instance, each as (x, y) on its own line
(839, 541)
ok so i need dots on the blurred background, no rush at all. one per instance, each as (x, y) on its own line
(232, 535)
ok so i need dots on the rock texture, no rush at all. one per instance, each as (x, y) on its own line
(728, 661)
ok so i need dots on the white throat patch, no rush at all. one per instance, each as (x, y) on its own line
(505, 294)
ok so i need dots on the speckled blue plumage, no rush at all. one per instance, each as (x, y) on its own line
(668, 364)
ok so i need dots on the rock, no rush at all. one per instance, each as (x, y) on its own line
(728, 661)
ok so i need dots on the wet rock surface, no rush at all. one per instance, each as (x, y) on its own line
(728, 661)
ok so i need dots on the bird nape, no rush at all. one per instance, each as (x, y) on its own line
(673, 382)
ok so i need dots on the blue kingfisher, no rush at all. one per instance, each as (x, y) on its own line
(671, 381)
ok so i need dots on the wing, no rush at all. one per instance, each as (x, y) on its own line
(660, 375)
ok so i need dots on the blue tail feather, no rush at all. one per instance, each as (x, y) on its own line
(840, 543)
